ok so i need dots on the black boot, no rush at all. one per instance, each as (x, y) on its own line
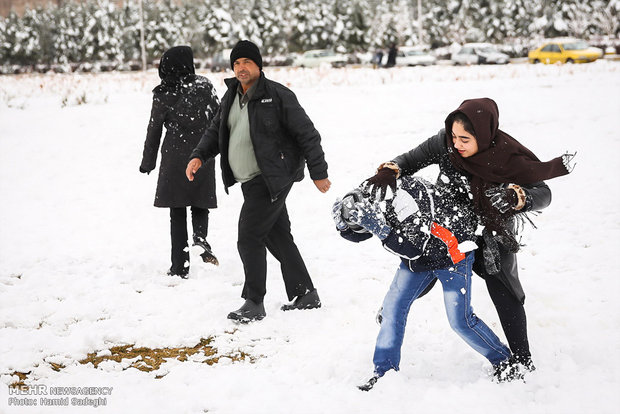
(180, 273)
(249, 312)
(207, 255)
(507, 371)
(525, 363)
(367, 386)
(308, 301)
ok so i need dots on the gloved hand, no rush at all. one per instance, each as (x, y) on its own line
(569, 163)
(502, 199)
(384, 178)
(341, 225)
(142, 170)
(369, 216)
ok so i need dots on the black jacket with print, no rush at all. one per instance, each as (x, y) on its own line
(424, 234)
(282, 134)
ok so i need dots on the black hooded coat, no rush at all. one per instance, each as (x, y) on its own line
(184, 103)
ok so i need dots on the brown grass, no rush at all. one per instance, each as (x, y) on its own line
(149, 359)
(20, 384)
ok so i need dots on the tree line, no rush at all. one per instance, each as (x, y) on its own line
(100, 30)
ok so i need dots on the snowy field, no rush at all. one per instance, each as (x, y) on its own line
(84, 254)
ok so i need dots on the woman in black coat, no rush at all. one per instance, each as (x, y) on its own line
(505, 180)
(185, 104)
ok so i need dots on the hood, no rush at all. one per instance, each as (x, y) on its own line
(175, 64)
(483, 113)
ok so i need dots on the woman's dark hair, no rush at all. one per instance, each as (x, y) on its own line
(462, 119)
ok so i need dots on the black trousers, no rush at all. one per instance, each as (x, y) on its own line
(178, 234)
(264, 224)
(512, 317)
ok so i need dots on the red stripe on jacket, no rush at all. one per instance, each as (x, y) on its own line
(450, 240)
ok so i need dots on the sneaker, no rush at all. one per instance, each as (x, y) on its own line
(309, 300)
(367, 386)
(249, 312)
(207, 254)
(507, 370)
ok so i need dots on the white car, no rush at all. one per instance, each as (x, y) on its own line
(220, 61)
(315, 58)
(412, 56)
(479, 53)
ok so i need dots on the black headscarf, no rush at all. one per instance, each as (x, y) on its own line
(175, 64)
(500, 159)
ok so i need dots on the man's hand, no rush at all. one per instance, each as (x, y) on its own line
(323, 185)
(192, 166)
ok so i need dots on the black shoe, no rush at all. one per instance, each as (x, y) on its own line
(180, 273)
(207, 255)
(507, 371)
(367, 386)
(249, 312)
(308, 301)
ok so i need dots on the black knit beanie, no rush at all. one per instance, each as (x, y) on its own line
(246, 49)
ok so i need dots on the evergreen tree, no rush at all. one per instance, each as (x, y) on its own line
(70, 20)
(352, 33)
(24, 38)
(607, 19)
(437, 22)
(313, 25)
(267, 25)
(218, 26)
(129, 22)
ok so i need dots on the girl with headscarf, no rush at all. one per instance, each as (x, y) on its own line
(184, 103)
(503, 180)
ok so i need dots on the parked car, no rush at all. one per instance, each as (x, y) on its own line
(220, 61)
(479, 53)
(314, 58)
(414, 56)
(279, 60)
(565, 51)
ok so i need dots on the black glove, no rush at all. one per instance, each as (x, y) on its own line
(384, 178)
(502, 199)
(143, 171)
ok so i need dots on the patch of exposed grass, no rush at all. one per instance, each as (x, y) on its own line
(150, 359)
(20, 384)
(56, 367)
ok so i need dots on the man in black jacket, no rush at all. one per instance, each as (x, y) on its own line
(263, 136)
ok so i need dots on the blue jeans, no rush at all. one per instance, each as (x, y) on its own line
(407, 286)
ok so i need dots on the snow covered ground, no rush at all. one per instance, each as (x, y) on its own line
(83, 254)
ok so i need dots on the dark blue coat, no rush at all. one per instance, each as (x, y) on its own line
(426, 227)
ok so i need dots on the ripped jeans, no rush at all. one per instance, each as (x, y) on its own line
(407, 286)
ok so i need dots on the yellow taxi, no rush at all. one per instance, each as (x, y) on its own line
(564, 51)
